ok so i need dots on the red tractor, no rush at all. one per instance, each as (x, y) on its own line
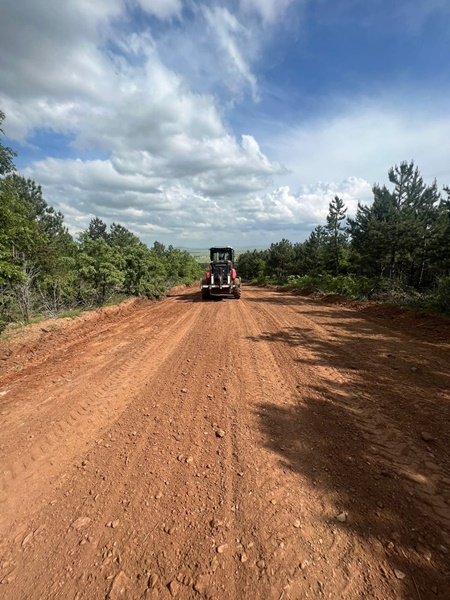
(220, 278)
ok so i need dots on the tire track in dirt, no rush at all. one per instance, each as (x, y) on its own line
(387, 448)
(169, 468)
(291, 504)
(387, 440)
(73, 429)
(236, 437)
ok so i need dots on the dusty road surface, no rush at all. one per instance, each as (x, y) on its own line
(274, 447)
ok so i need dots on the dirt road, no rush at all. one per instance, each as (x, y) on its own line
(274, 447)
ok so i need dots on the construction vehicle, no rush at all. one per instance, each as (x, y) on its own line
(220, 279)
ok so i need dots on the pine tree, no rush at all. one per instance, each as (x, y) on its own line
(315, 250)
(337, 236)
(280, 257)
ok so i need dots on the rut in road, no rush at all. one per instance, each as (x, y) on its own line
(205, 449)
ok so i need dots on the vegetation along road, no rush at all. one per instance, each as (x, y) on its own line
(274, 447)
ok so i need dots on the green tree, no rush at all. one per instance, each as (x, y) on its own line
(101, 269)
(314, 249)
(159, 249)
(121, 237)
(96, 230)
(280, 258)
(252, 265)
(19, 236)
(48, 260)
(337, 236)
(392, 237)
(440, 242)
(6, 154)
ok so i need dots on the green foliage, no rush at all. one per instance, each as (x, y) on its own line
(396, 236)
(280, 259)
(441, 301)
(252, 265)
(336, 236)
(362, 288)
(101, 269)
(6, 154)
(397, 249)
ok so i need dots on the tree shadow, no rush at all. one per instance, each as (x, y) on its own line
(321, 441)
(433, 326)
(347, 352)
(376, 441)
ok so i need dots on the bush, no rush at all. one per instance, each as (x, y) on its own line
(362, 288)
(442, 298)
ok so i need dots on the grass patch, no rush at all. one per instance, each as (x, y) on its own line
(117, 299)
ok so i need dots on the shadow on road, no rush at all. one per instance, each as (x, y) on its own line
(423, 324)
(196, 297)
(188, 297)
(321, 441)
(359, 439)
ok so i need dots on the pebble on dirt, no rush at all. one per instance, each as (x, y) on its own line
(342, 517)
(119, 587)
(221, 549)
(174, 588)
(113, 524)
(81, 522)
(399, 574)
(27, 538)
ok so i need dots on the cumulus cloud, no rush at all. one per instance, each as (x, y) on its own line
(168, 162)
(367, 137)
(156, 151)
(189, 208)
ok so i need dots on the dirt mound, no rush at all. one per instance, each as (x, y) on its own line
(31, 343)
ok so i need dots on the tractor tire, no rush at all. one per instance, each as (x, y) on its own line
(205, 294)
(237, 292)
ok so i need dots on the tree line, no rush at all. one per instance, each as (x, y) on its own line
(397, 248)
(45, 271)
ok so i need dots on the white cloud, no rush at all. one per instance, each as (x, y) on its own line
(189, 207)
(309, 206)
(268, 10)
(162, 9)
(367, 138)
(231, 37)
(166, 161)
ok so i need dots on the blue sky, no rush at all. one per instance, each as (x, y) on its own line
(197, 123)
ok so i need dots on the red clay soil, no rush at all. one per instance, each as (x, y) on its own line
(274, 447)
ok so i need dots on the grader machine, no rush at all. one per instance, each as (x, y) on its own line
(221, 279)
